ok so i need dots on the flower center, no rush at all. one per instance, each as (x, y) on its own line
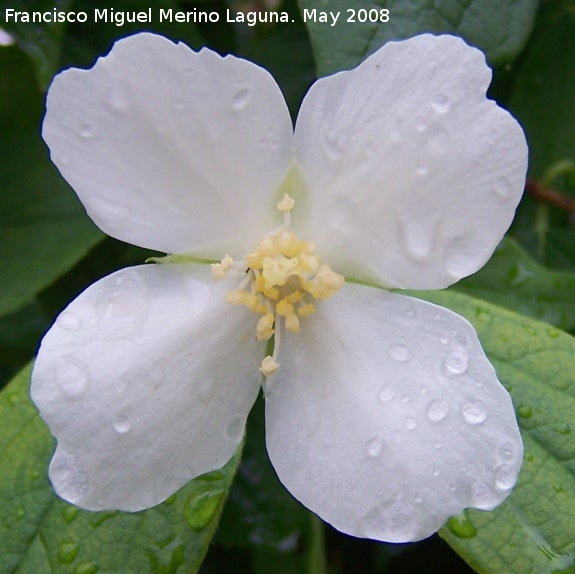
(283, 276)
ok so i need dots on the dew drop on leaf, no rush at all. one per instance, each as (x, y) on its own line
(461, 526)
(69, 513)
(202, 505)
(67, 551)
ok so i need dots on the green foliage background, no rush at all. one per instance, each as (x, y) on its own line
(522, 305)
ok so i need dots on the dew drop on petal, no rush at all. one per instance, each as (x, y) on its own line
(374, 446)
(241, 98)
(506, 450)
(235, 429)
(437, 445)
(72, 375)
(437, 410)
(421, 168)
(420, 124)
(405, 399)
(458, 361)
(503, 187)
(385, 394)
(505, 476)
(399, 353)
(68, 321)
(474, 412)
(423, 390)
(410, 423)
(418, 499)
(122, 424)
(86, 131)
(441, 104)
(444, 339)
(436, 472)
(118, 100)
(332, 146)
(70, 478)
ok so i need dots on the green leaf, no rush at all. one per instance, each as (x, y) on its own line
(43, 228)
(542, 96)
(42, 534)
(533, 531)
(40, 40)
(514, 280)
(500, 29)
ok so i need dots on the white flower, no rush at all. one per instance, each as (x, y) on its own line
(385, 416)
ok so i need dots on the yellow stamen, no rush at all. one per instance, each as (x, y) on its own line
(282, 275)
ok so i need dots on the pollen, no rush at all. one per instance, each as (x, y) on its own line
(283, 276)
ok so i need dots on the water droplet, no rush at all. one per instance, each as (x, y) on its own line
(86, 131)
(444, 339)
(20, 514)
(505, 476)
(423, 390)
(437, 410)
(525, 412)
(332, 145)
(118, 100)
(394, 516)
(399, 353)
(241, 98)
(410, 423)
(437, 445)
(70, 513)
(421, 168)
(420, 124)
(441, 104)
(70, 477)
(436, 472)
(68, 321)
(122, 424)
(474, 412)
(506, 450)
(453, 487)
(72, 375)
(564, 430)
(558, 488)
(98, 518)
(553, 333)
(67, 551)
(202, 505)
(417, 239)
(167, 556)
(87, 568)
(418, 499)
(405, 399)
(503, 187)
(458, 361)
(171, 499)
(461, 526)
(385, 394)
(13, 399)
(235, 429)
(374, 446)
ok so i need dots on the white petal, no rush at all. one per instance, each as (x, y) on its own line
(171, 149)
(146, 380)
(413, 175)
(386, 418)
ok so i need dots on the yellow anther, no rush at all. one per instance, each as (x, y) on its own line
(269, 366)
(220, 270)
(306, 310)
(265, 327)
(276, 270)
(286, 204)
(294, 297)
(292, 323)
(284, 308)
